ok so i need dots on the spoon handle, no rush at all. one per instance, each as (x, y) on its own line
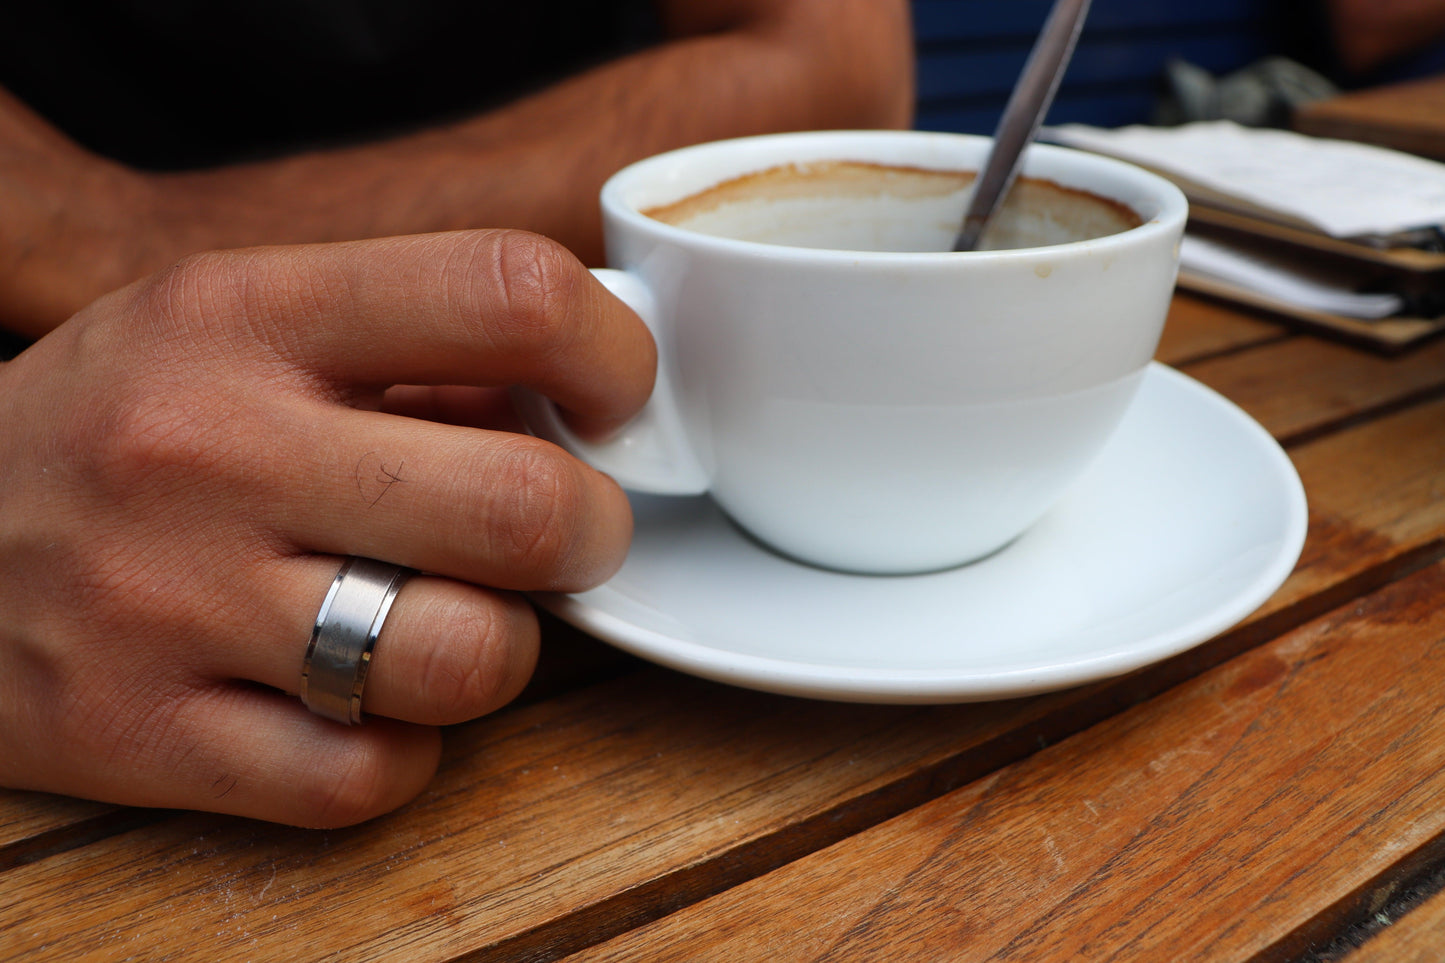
(1026, 108)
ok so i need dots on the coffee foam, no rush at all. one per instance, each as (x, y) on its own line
(860, 206)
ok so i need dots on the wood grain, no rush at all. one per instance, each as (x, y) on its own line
(1233, 818)
(25, 815)
(584, 801)
(1305, 388)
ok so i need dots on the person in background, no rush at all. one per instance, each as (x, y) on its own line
(224, 474)
(135, 132)
(1358, 43)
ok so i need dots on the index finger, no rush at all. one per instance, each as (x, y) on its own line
(466, 308)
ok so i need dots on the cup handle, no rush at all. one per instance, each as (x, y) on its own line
(651, 453)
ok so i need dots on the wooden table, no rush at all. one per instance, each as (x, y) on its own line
(1274, 794)
(1408, 116)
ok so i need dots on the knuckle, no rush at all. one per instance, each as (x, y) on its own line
(149, 435)
(197, 288)
(351, 792)
(540, 282)
(223, 300)
(542, 506)
(124, 727)
(465, 674)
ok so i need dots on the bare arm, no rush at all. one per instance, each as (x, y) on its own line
(1368, 33)
(730, 67)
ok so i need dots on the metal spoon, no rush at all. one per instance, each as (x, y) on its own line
(1026, 108)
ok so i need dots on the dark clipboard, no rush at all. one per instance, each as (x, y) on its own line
(1403, 268)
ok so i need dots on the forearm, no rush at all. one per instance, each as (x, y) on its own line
(77, 226)
(537, 164)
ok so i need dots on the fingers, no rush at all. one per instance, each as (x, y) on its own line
(204, 737)
(186, 727)
(262, 755)
(194, 455)
(490, 507)
(494, 508)
(170, 739)
(448, 651)
(466, 308)
(352, 320)
(489, 408)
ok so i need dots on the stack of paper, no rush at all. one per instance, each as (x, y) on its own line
(1337, 206)
(1338, 187)
(1288, 282)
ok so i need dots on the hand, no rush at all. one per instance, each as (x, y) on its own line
(186, 461)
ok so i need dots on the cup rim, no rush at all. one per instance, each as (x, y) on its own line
(1168, 219)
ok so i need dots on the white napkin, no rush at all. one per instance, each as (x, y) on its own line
(1340, 188)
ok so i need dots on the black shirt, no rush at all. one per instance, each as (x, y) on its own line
(167, 84)
(173, 84)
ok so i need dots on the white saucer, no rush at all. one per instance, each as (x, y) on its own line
(1189, 520)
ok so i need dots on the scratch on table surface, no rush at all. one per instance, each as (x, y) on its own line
(1054, 852)
(262, 894)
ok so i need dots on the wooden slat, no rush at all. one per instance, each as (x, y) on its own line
(26, 815)
(1374, 492)
(585, 800)
(1247, 813)
(569, 820)
(1408, 116)
(1300, 388)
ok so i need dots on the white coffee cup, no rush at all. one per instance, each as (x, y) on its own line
(878, 411)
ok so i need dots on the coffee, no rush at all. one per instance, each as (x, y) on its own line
(859, 206)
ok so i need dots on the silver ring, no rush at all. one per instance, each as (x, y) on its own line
(339, 653)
